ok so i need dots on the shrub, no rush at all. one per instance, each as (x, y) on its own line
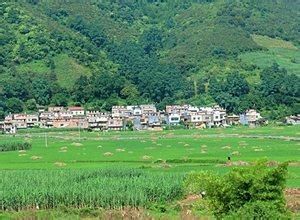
(241, 188)
(14, 146)
(258, 210)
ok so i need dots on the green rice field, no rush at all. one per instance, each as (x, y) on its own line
(83, 169)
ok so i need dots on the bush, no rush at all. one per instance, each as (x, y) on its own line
(14, 146)
(258, 210)
(242, 188)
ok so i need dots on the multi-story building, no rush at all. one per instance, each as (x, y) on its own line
(251, 117)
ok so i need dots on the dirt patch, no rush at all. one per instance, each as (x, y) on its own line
(294, 164)
(293, 199)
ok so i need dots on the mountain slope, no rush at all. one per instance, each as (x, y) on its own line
(122, 52)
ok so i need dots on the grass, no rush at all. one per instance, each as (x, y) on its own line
(150, 162)
(66, 69)
(282, 52)
(182, 150)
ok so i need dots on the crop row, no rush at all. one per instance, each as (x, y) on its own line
(108, 188)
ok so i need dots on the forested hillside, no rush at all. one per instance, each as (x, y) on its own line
(239, 54)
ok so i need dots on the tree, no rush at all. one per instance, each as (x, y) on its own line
(41, 90)
(242, 188)
(14, 105)
(59, 99)
(82, 89)
(152, 40)
(236, 85)
(31, 105)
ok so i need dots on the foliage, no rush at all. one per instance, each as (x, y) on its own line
(242, 190)
(148, 51)
(14, 146)
(108, 188)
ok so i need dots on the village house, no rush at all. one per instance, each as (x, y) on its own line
(122, 111)
(56, 109)
(173, 119)
(293, 119)
(1, 126)
(32, 120)
(154, 120)
(233, 119)
(251, 118)
(97, 120)
(76, 110)
(46, 119)
(148, 109)
(115, 123)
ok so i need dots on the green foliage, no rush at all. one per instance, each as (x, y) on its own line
(14, 146)
(14, 105)
(242, 190)
(107, 188)
(148, 51)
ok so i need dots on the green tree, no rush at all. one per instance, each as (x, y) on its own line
(31, 105)
(14, 105)
(41, 90)
(241, 188)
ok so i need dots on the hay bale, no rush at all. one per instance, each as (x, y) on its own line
(226, 147)
(60, 164)
(203, 146)
(64, 148)
(186, 145)
(35, 157)
(203, 151)
(76, 144)
(258, 149)
(236, 153)
(145, 157)
(100, 146)
(22, 151)
(120, 149)
(108, 154)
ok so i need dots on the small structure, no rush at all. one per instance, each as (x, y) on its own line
(115, 123)
(77, 110)
(32, 120)
(173, 119)
(293, 119)
(233, 119)
(251, 118)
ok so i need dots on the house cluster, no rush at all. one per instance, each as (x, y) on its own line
(139, 117)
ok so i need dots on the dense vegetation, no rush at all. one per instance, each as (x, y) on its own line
(248, 193)
(14, 146)
(103, 53)
(108, 188)
(243, 192)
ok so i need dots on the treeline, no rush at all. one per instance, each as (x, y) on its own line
(161, 52)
